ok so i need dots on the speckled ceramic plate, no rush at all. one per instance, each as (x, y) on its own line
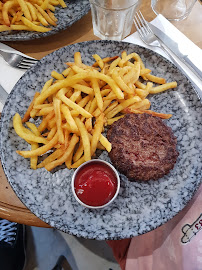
(140, 207)
(74, 11)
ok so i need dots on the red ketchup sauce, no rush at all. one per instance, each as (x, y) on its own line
(95, 184)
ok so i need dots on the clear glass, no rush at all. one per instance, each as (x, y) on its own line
(173, 10)
(113, 19)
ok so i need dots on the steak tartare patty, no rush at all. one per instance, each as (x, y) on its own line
(143, 147)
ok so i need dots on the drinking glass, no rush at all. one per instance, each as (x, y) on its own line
(173, 10)
(113, 19)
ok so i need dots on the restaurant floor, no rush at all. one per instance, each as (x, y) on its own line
(45, 246)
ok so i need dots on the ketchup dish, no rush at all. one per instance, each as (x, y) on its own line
(95, 184)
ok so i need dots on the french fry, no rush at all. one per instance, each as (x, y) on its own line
(51, 15)
(111, 83)
(41, 150)
(4, 28)
(161, 115)
(155, 79)
(57, 75)
(137, 105)
(78, 163)
(25, 9)
(85, 138)
(79, 152)
(98, 96)
(62, 3)
(105, 60)
(99, 60)
(77, 58)
(66, 72)
(133, 74)
(75, 95)
(112, 120)
(34, 128)
(45, 121)
(107, 145)
(111, 107)
(114, 64)
(140, 85)
(144, 71)
(56, 154)
(120, 82)
(8, 5)
(85, 89)
(27, 114)
(52, 133)
(41, 19)
(122, 106)
(73, 105)
(45, 15)
(44, 5)
(34, 27)
(20, 130)
(70, 120)
(34, 145)
(97, 133)
(163, 87)
(32, 11)
(88, 124)
(20, 27)
(68, 162)
(42, 106)
(66, 154)
(56, 105)
(44, 111)
(34, 160)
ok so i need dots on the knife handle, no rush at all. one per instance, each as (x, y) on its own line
(196, 71)
(198, 90)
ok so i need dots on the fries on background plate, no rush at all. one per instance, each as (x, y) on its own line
(29, 15)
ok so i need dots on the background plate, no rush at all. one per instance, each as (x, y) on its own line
(140, 207)
(74, 11)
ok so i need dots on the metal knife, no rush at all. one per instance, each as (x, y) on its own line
(3, 95)
(173, 46)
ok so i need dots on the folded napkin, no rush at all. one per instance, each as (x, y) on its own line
(8, 75)
(186, 46)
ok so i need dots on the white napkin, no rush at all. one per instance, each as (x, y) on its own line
(9, 75)
(186, 46)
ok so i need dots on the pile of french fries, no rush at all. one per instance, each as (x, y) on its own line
(29, 15)
(76, 105)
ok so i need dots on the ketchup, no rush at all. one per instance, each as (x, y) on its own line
(95, 184)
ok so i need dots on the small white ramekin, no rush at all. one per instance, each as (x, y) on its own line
(97, 161)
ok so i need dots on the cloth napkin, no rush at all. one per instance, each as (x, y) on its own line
(8, 75)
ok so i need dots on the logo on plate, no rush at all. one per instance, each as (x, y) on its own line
(190, 231)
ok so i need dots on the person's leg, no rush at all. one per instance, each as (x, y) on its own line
(12, 249)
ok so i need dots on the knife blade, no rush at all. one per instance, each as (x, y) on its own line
(173, 46)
